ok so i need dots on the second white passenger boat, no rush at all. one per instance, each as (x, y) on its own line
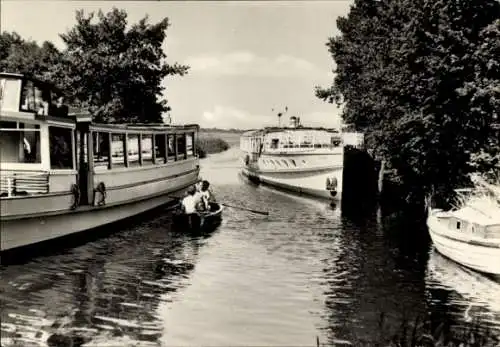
(305, 160)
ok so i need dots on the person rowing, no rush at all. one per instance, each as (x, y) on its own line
(206, 196)
(189, 203)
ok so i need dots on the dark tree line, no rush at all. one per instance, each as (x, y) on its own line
(421, 78)
(111, 70)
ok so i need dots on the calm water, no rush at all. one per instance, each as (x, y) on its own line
(306, 271)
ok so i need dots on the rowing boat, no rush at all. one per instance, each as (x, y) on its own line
(199, 221)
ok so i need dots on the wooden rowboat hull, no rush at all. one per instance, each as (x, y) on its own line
(199, 222)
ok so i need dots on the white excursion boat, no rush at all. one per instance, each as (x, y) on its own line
(62, 174)
(470, 234)
(301, 159)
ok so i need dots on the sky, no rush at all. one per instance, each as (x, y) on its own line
(246, 58)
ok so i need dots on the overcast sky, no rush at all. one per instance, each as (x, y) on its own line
(246, 58)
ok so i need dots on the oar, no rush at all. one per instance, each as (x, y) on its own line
(246, 209)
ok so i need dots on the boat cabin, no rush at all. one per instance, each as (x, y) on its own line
(290, 140)
(45, 149)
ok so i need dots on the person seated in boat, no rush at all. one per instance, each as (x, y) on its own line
(206, 196)
(188, 204)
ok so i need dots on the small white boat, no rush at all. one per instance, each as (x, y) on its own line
(470, 234)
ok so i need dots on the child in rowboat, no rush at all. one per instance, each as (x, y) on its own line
(206, 196)
(188, 205)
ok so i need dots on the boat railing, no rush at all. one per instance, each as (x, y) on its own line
(15, 184)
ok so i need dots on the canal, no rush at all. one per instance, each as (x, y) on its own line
(308, 272)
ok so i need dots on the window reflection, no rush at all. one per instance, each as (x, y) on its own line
(147, 149)
(133, 149)
(19, 142)
(117, 150)
(101, 149)
(61, 153)
(160, 148)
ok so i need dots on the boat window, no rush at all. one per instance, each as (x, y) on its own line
(19, 142)
(171, 147)
(284, 162)
(274, 143)
(335, 141)
(189, 144)
(9, 94)
(117, 150)
(147, 149)
(293, 162)
(101, 149)
(181, 146)
(133, 149)
(61, 148)
(160, 148)
(458, 225)
(35, 99)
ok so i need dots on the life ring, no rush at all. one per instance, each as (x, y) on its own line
(101, 188)
(331, 184)
(75, 190)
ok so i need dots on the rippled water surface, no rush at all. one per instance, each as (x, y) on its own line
(306, 271)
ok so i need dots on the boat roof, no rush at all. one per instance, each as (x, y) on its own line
(268, 130)
(76, 114)
(479, 211)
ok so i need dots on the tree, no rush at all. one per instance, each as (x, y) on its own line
(113, 72)
(27, 57)
(420, 78)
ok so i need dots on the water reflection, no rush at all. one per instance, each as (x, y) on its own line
(462, 293)
(105, 291)
(370, 277)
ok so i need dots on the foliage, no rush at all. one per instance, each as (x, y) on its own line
(209, 145)
(26, 57)
(113, 70)
(420, 78)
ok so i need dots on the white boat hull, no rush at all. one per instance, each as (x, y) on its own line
(28, 230)
(476, 253)
(312, 183)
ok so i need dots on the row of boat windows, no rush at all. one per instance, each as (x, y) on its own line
(139, 149)
(20, 143)
(286, 163)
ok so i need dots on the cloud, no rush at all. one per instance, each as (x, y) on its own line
(247, 63)
(226, 117)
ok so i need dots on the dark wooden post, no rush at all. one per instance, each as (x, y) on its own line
(125, 150)
(153, 147)
(185, 146)
(139, 138)
(110, 141)
(175, 148)
(195, 153)
(90, 168)
(166, 147)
